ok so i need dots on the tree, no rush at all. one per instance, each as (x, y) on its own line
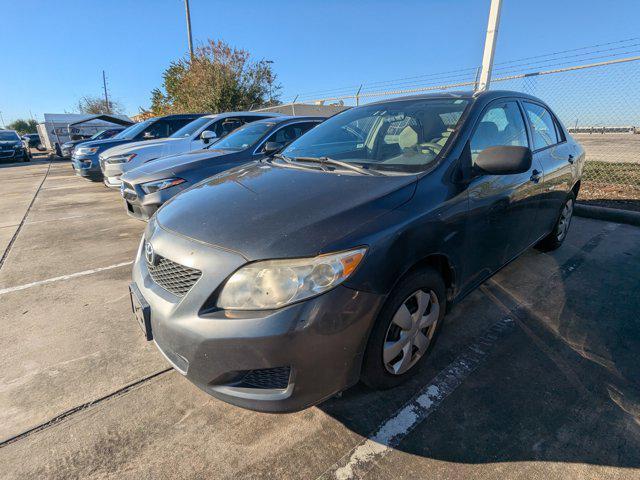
(95, 105)
(24, 126)
(219, 78)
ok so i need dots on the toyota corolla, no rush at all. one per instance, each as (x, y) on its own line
(275, 285)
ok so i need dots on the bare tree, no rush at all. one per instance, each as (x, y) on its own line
(94, 105)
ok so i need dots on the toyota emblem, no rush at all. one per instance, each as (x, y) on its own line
(149, 254)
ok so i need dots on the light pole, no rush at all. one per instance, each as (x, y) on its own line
(490, 44)
(186, 7)
(1, 120)
(270, 62)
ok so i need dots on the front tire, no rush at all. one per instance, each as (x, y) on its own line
(555, 239)
(405, 330)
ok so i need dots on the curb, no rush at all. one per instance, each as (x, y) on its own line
(608, 214)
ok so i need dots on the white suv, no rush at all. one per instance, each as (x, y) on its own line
(196, 135)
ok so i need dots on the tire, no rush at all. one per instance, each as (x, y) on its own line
(555, 239)
(383, 372)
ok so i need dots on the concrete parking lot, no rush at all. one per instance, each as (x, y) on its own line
(535, 375)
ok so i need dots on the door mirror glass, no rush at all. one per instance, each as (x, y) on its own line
(148, 136)
(504, 160)
(271, 148)
(207, 136)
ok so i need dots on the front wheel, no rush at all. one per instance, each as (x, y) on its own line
(405, 330)
(555, 239)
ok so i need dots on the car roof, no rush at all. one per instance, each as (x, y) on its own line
(245, 114)
(486, 95)
(8, 130)
(175, 116)
(289, 118)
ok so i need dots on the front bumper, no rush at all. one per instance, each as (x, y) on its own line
(317, 344)
(112, 173)
(87, 167)
(141, 205)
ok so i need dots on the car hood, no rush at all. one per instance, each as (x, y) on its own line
(10, 143)
(150, 149)
(106, 143)
(177, 165)
(265, 211)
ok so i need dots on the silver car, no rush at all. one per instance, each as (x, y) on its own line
(196, 135)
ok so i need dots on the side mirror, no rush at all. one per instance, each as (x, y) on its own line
(207, 136)
(272, 147)
(504, 160)
(148, 136)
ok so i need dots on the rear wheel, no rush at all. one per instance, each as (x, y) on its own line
(561, 228)
(405, 330)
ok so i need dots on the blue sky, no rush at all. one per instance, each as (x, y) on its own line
(54, 52)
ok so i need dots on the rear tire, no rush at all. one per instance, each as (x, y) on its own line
(555, 239)
(405, 331)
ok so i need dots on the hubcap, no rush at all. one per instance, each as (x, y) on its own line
(565, 219)
(410, 331)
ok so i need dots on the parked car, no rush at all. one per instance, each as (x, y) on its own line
(32, 140)
(146, 188)
(67, 148)
(277, 284)
(12, 148)
(85, 159)
(193, 136)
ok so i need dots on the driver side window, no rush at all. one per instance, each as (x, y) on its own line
(501, 125)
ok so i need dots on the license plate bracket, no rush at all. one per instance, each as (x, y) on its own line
(141, 311)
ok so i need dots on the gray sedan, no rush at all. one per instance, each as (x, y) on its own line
(146, 188)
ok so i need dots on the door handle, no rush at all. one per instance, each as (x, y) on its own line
(535, 176)
(571, 159)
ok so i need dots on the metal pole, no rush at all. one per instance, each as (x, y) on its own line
(106, 96)
(358, 95)
(490, 45)
(1, 120)
(293, 106)
(186, 6)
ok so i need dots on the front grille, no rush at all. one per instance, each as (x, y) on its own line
(172, 276)
(6, 153)
(267, 378)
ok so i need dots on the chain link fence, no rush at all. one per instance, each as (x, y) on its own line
(599, 103)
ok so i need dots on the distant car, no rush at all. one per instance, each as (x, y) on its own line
(12, 148)
(193, 136)
(32, 140)
(67, 148)
(276, 285)
(85, 159)
(146, 188)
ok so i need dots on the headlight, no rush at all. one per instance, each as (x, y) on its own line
(275, 283)
(86, 150)
(120, 159)
(151, 187)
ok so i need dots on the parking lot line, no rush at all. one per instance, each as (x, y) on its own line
(388, 435)
(24, 218)
(63, 277)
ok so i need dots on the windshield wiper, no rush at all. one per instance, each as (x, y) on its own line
(282, 157)
(350, 166)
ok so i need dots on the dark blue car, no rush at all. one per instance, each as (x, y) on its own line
(85, 157)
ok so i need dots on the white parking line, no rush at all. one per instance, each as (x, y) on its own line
(362, 458)
(63, 277)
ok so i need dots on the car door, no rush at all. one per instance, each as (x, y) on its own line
(502, 208)
(555, 154)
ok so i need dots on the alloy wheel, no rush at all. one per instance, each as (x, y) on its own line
(565, 219)
(410, 331)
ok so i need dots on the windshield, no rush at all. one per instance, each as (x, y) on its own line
(402, 136)
(191, 128)
(130, 132)
(9, 136)
(244, 137)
